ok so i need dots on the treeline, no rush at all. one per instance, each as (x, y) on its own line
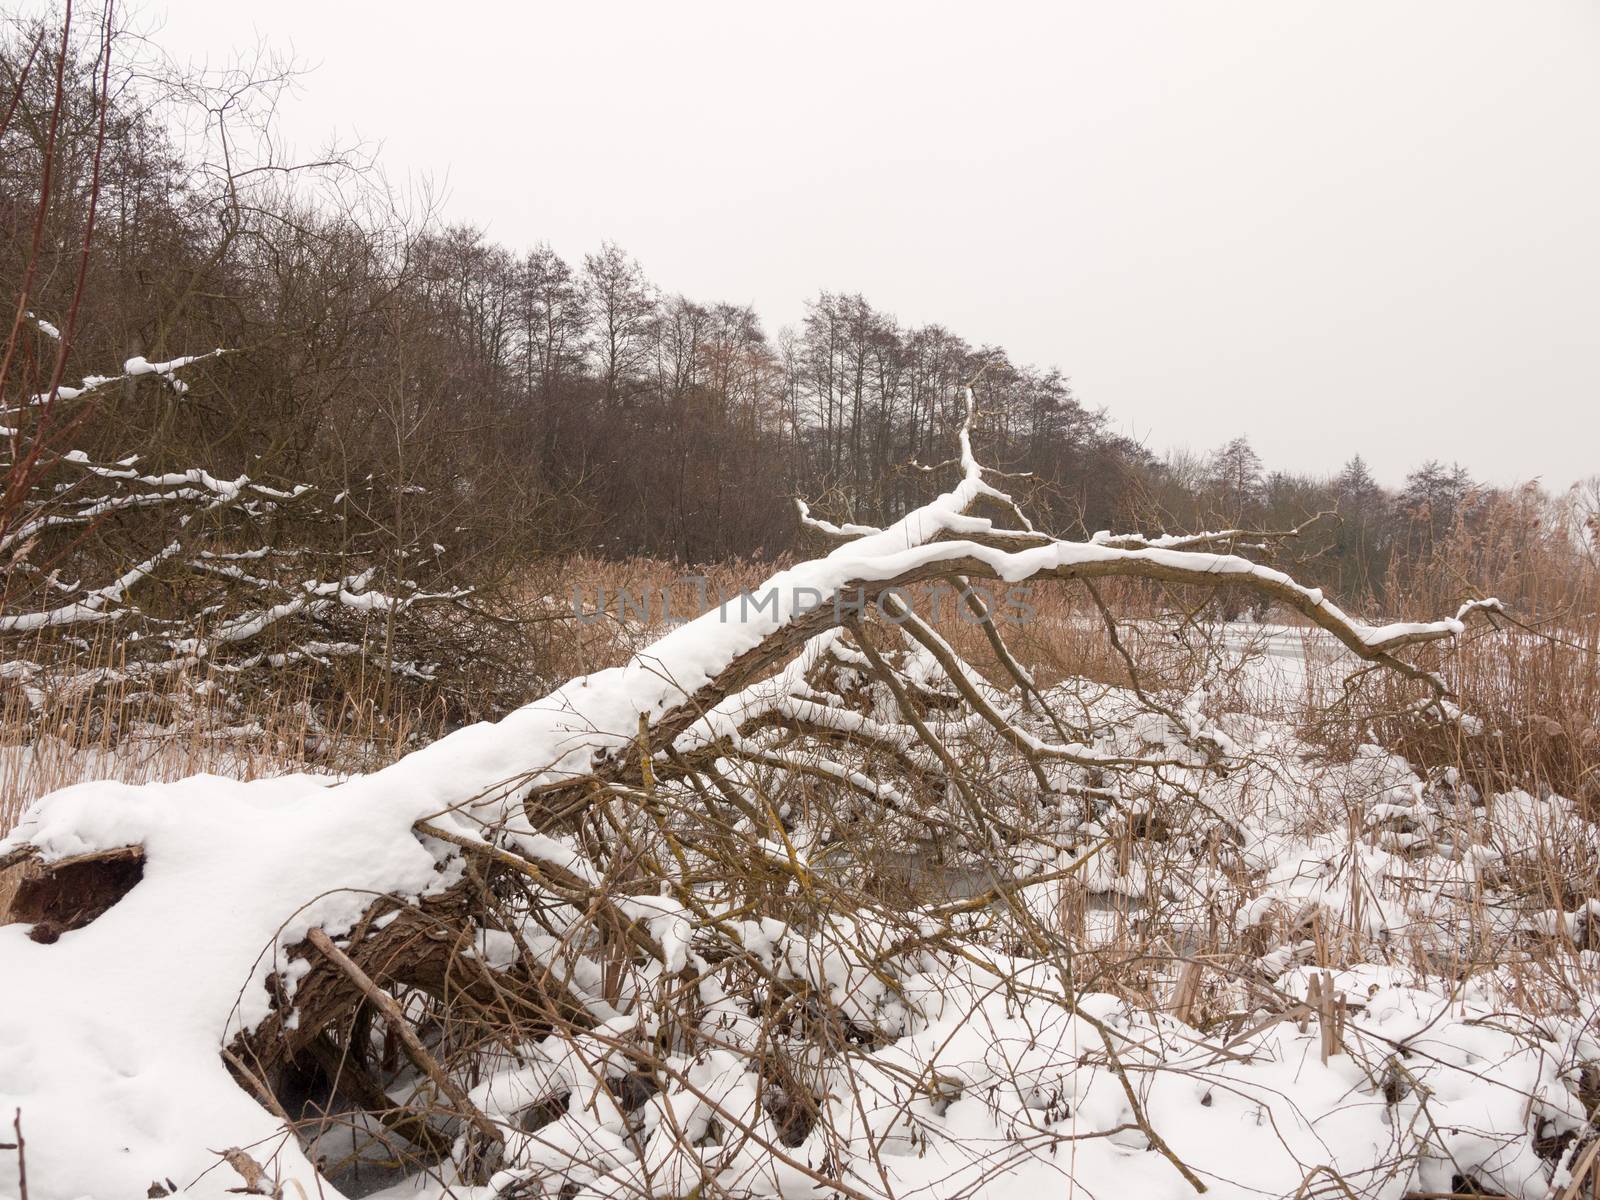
(509, 403)
(1440, 537)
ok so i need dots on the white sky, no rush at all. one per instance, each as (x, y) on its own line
(1334, 227)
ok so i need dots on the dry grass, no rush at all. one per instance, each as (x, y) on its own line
(1533, 681)
(1538, 694)
(1534, 709)
(1059, 636)
(56, 731)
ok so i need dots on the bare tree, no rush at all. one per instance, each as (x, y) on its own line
(621, 306)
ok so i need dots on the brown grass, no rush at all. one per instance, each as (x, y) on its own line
(1533, 680)
(1534, 684)
(54, 736)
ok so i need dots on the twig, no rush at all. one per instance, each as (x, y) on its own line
(415, 1050)
(22, 1157)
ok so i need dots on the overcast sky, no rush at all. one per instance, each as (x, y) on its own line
(1334, 227)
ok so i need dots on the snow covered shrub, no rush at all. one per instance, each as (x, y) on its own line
(174, 588)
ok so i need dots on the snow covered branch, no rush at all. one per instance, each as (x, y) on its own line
(188, 572)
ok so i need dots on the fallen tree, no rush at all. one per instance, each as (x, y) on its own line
(738, 918)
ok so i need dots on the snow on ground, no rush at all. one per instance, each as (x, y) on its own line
(998, 1088)
(995, 1083)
